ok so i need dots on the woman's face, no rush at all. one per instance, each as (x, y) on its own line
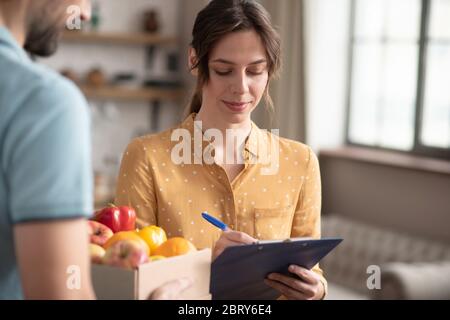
(238, 77)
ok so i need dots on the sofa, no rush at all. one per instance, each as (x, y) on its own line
(409, 267)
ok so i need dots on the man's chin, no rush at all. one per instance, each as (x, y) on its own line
(44, 46)
(43, 52)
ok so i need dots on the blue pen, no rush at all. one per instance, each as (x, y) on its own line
(214, 221)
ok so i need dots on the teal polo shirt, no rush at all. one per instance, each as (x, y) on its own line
(45, 160)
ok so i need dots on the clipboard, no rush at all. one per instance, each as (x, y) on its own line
(239, 272)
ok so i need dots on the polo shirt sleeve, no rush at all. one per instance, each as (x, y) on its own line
(48, 157)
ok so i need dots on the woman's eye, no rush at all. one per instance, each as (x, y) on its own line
(222, 73)
(255, 72)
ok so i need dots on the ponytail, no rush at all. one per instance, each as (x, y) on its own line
(195, 104)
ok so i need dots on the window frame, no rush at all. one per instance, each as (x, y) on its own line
(418, 149)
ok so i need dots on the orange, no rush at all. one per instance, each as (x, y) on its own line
(126, 235)
(174, 247)
(154, 236)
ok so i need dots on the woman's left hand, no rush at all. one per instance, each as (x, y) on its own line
(307, 286)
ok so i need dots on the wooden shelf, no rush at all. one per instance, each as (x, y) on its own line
(125, 93)
(129, 94)
(117, 38)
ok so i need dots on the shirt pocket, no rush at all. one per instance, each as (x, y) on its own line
(272, 224)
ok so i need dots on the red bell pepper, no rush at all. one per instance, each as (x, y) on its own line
(117, 218)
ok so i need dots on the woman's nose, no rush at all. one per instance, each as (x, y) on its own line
(240, 84)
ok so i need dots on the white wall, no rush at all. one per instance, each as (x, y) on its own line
(326, 44)
(115, 123)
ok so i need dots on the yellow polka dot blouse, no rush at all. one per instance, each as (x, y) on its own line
(266, 206)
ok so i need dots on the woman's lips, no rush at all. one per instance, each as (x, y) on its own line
(236, 106)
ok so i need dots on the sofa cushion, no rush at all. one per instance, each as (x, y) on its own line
(365, 245)
(415, 281)
(338, 292)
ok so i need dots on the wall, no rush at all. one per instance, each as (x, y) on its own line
(115, 123)
(411, 201)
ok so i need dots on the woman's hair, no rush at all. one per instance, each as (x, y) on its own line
(221, 17)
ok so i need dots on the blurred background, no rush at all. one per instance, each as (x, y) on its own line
(365, 83)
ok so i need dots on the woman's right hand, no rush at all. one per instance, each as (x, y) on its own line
(231, 238)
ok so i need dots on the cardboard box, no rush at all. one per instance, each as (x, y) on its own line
(112, 283)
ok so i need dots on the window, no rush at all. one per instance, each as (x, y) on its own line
(399, 92)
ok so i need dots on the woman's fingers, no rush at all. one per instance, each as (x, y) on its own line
(306, 275)
(231, 238)
(307, 284)
(285, 290)
(239, 237)
(222, 244)
(307, 290)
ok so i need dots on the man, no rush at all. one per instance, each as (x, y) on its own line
(45, 170)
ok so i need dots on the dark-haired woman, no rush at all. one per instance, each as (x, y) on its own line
(217, 160)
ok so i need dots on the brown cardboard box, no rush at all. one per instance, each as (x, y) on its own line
(112, 283)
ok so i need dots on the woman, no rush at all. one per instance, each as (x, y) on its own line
(263, 186)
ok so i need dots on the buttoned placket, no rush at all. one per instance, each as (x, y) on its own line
(249, 154)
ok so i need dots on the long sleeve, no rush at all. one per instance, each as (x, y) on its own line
(135, 186)
(307, 213)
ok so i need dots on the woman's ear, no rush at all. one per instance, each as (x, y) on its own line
(193, 61)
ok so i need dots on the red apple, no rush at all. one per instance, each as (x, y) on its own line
(98, 233)
(127, 254)
(97, 253)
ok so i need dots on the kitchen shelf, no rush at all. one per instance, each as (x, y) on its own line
(118, 38)
(132, 94)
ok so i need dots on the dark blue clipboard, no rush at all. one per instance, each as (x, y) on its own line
(239, 272)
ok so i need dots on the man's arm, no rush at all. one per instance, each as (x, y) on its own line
(53, 259)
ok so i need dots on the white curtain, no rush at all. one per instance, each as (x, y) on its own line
(327, 36)
(310, 97)
(188, 10)
(288, 90)
(310, 94)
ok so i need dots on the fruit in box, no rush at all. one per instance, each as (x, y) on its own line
(174, 247)
(117, 218)
(154, 236)
(156, 258)
(127, 235)
(96, 253)
(98, 233)
(127, 254)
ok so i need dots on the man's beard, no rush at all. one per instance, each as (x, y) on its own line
(42, 42)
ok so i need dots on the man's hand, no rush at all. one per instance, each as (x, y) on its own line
(171, 290)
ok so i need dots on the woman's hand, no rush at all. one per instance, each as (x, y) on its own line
(231, 238)
(307, 286)
(171, 290)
